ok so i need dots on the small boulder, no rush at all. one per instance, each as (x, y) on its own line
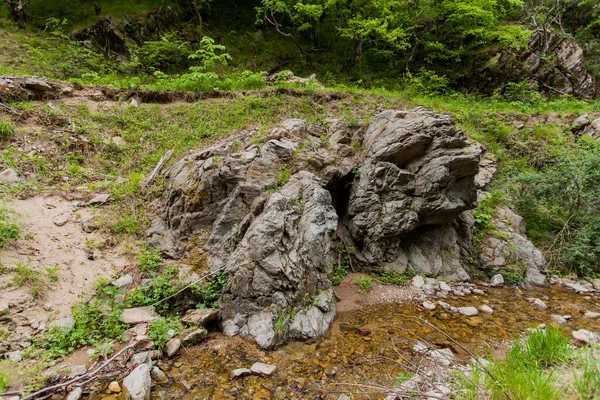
(497, 280)
(418, 281)
(136, 315)
(486, 309)
(172, 347)
(194, 337)
(15, 356)
(75, 394)
(445, 287)
(123, 282)
(540, 304)
(560, 320)
(99, 199)
(77, 370)
(200, 316)
(596, 284)
(591, 315)
(428, 305)
(238, 373)
(114, 387)
(137, 384)
(61, 220)
(9, 177)
(37, 84)
(586, 336)
(420, 348)
(443, 356)
(159, 376)
(66, 323)
(263, 369)
(468, 311)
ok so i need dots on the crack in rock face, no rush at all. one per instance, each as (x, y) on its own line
(268, 212)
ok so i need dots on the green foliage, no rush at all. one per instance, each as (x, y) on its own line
(52, 273)
(587, 377)
(162, 287)
(341, 268)
(95, 322)
(150, 259)
(9, 229)
(4, 382)
(427, 82)
(364, 283)
(523, 373)
(393, 278)
(404, 377)
(281, 320)
(6, 130)
(212, 290)
(162, 329)
(26, 275)
(560, 203)
(523, 92)
(170, 53)
(514, 271)
(283, 176)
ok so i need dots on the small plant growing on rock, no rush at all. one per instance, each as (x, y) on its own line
(280, 322)
(162, 329)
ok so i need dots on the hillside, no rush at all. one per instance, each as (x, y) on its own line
(284, 199)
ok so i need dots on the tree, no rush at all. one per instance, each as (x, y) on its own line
(17, 10)
(543, 14)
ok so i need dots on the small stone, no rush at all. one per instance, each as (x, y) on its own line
(478, 292)
(15, 356)
(418, 281)
(99, 199)
(136, 315)
(200, 316)
(9, 177)
(420, 348)
(468, 311)
(443, 356)
(444, 305)
(591, 315)
(194, 337)
(238, 373)
(114, 387)
(497, 280)
(138, 383)
(77, 370)
(140, 358)
(596, 283)
(343, 397)
(263, 369)
(61, 220)
(558, 319)
(428, 305)
(75, 394)
(37, 84)
(159, 376)
(445, 287)
(116, 141)
(172, 347)
(50, 376)
(486, 309)
(540, 304)
(123, 282)
(586, 336)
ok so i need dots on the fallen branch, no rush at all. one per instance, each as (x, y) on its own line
(87, 376)
(157, 169)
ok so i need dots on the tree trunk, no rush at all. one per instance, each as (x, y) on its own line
(17, 11)
(358, 53)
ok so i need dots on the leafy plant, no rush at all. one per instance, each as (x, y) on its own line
(6, 130)
(394, 278)
(365, 284)
(150, 259)
(162, 329)
(9, 229)
(26, 275)
(52, 273)
(212, 290)
(341, 269)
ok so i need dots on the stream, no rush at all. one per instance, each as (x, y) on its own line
(370, 345)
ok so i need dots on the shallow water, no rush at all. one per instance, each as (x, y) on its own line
(370, 345)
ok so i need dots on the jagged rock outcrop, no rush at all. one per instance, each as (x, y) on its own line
(562, 69)
(268, 210)
(586, 125)
(507, 248)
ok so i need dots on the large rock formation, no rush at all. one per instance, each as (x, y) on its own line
(268, 210)
(556, 64)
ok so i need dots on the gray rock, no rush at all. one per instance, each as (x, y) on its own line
(123, 282)
(138, 383)
(497, 280)
(468, 311)
(240, 372)
(158, 375)
(445, 287)
(263, 369)
(15, 356)
(99, 199)
(37, 84)
(428, 305)
(66, 323)
(76, 393)
(591, 315)
(486, 309)
(9, 177)
(194, 337)
(76, 370)
(420, 348)
(443, 356)
(596, 283)
(200, 317)
(585, 336)
(61, 220)
(172, 347)
(540, 304)
(560, 320)
(418, 281)
(577, 286)
(136, 315)
(140, 358)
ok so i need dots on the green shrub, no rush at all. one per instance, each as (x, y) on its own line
(365, 284)
(150, 259)
(393, 278)
(159, 330)
(6, 130)
(212, 290)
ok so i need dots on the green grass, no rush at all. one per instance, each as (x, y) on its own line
(6, 130)
(526, 372)
(390, 278)
(9, 229)
(365, 284)
(26, 275)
